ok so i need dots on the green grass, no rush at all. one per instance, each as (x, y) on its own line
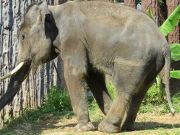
(57, 104)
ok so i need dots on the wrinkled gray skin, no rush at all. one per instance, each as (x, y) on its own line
(94, 39)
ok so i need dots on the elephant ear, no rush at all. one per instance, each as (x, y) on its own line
(43, 10)
(51, 30)
(46, 17)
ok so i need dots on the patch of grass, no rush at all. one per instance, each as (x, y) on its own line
(94, 111)
(154, 102)
(57, 103)
(154, 96)
(111, 89)
(176, 101)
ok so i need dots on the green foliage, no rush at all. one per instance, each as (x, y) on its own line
(170, 23)
(167, 27)
(149, 12)
(161, 2)
(27, 116)
(154, 101)
(148, 108)
(57, 101)
(176, 101)
(176, 104)
(175, 52)
(154, 95)
(175, 55)
(94, 110)
(111, 89)
(138, 2)
(175, 74)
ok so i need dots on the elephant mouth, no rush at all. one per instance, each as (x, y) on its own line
(18, 75)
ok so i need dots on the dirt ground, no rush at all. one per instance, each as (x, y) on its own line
(146, 124)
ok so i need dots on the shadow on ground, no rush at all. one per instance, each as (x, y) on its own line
(154, 125)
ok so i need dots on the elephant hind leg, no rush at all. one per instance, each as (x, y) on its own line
(127, 79)
(135, 104)
(96, 83)
(139, 95)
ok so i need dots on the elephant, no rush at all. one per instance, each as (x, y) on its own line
(94, 39)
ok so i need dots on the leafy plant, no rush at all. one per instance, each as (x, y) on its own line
(171, 22)
(57, 101)
(175, 74)
(149, 12)
(154, 95)
(138, 2)
(167, 27)
(111, 89)
(175, 52)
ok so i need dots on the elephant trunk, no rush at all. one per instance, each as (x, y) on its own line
(15, 84)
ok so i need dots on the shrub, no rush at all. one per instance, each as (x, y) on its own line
(154, 95)
(57, 101)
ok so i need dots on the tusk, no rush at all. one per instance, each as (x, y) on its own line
(19, 66)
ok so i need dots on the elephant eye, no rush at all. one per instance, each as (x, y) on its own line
(23, 36)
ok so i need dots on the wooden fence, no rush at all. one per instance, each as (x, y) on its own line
(35, 87)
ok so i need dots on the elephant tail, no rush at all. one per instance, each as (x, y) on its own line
(166, 53)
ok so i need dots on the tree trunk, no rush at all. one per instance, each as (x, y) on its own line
(152, 5)
(174, 37)
(130, 3)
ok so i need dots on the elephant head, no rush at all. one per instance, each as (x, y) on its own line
(35, 42)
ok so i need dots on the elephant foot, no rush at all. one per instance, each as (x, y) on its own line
(108, 127)
(85, 127)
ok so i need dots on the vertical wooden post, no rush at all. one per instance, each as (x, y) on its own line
(173, 37)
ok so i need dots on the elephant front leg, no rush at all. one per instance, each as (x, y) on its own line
(78, 95)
